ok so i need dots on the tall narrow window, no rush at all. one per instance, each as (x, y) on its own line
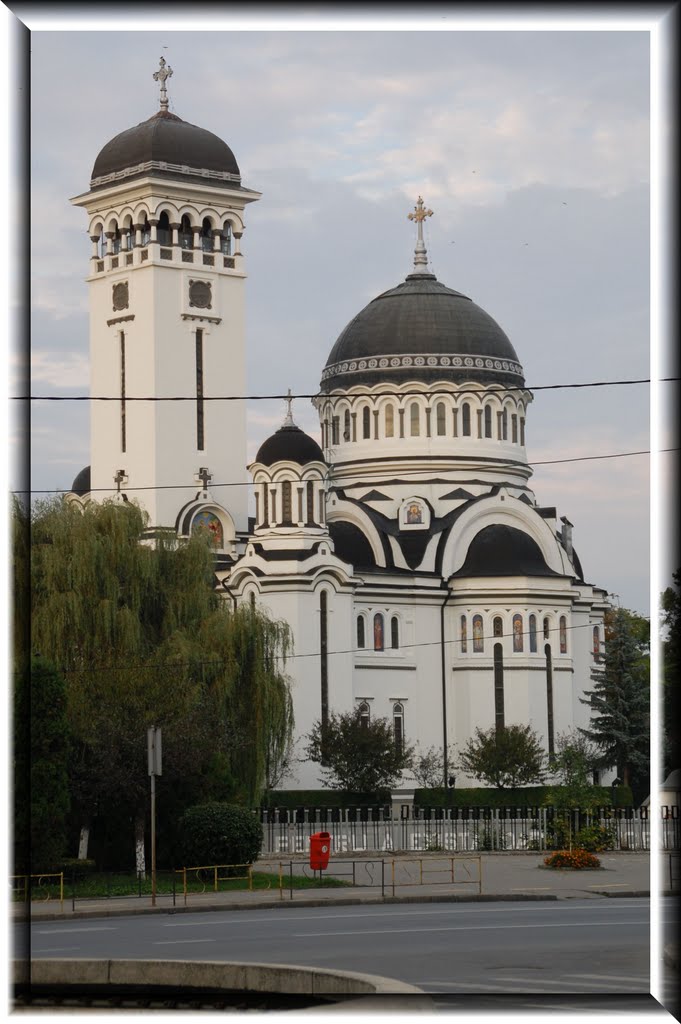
(455, 422)
(522, 430)
(207, 235)
(479, 418)
(265, 506)
(514, 428)
(346, 425)
(394, 633)
(364, 714)
(466, 419)
(398, 726)
(186, 233)
(533, 634)
(488, 421)
(497, 626)
(504, 425)
(226, 239)
(163, 231)
(464, 635)
(517, 633)
(310, 503)
(146, 231)
(199, 390)
(123, 425)
(116, 241)
(366, 422)
(324, 656)
(478, 638)
(441, 419)
(498, 686)
(335, 430)
(546, 629)
(414, 419)
(549, 699)
(596, 644)
(102, 244)
(389, 420)
(379, 632)
(562, 633)
(361, 635)
(286, 512)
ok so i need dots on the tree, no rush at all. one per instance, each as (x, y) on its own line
(427, 766)
(620, 698)
(358, 755)
(671, 713)
(506, 757)
(144, 639)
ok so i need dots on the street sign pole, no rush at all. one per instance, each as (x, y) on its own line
(154, 762)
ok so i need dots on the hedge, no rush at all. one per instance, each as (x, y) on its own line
(293, 798)
(217, 833)
(529, 796)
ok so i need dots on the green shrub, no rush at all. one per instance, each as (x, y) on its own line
(596, 838)
(526, 796)
(290, 799)
(76, 869)
(217, 833)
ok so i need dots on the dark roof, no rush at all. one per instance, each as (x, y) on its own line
(351, 545)
(504, 551)
(165, 137)
(289, 444)
(421, 330)
(81, 484)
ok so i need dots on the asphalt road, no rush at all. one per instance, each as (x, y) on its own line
(570, 947)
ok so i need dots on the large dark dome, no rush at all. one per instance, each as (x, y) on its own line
(81, 483)
(421, 330)
(289, 444)
(165, 139)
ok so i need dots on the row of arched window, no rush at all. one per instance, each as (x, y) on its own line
(397, 720)
(289, 503)
(443, 418)
(379, 639)
(522, 638)
(186, 235)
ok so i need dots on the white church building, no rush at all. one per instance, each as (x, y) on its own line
(421, 580)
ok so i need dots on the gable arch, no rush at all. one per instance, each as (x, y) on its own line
(356, 517)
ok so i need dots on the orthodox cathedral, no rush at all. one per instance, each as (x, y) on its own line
(421, 580)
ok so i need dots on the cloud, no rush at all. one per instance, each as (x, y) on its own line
(60, 369)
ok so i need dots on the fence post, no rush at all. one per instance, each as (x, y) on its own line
(393, 876)
(291, 879)
(184, 884)
(61, 890)
(383, 877)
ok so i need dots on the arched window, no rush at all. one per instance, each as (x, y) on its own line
(346, 425)
(286, 512)
(310, 503)
(394, 633)
(335, 430)
(414, 419)
(366, 422)
(363, 710)
(361, 636)
(517, 633)
(533, 634)
(478, 637)
(464, 635)
(163, 231)
(101, 245)
(488, 421)
(379, 632)
(208, 523)
(265, 506)
(207, 235)
(116, 241)
(389, 420)
(466, 419)
(562, 633)
(186, 233)
(597, 644)
(514, 428)
(441, 419)
(522, 430)
(226, 239)
(251, 599)
(504, 424)
(146, 231)
(546, 629)
(398, 726)
(497, 626)
(129, 233)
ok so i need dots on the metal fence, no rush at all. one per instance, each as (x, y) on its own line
(464, 829)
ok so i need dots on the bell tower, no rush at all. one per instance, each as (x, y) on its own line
(166, 282)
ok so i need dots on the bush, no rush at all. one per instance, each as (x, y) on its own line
(524, 796)
(217, 833)
(578, 859)
(595, 838)
(75, 869)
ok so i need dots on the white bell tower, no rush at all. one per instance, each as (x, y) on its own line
(166, 282)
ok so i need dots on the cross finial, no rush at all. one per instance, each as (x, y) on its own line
(119, 478)
(160, 76)
(419, 215)
(288, 419)
(204, 476)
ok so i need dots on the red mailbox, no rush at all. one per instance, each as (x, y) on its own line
(320, 848)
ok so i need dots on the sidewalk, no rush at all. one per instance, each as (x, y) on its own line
(504, 877)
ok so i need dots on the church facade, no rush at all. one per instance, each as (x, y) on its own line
(421, 580)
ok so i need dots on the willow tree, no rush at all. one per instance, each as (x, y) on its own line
(143, 639)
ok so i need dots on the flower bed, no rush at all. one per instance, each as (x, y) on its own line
(578, 859)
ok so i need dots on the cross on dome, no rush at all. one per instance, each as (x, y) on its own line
(419, 214)
(160, 76)
(288, 419)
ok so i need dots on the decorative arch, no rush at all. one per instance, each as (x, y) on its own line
(357, 517)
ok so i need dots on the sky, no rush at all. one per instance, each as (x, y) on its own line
(531, 148)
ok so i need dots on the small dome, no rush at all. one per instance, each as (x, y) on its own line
(81, 484)
(165, 138)
(421, 330)
(289, 444)
(504, 551)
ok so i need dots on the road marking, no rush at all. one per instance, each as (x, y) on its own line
(466, 928)
(55, 949)
(71, 929)
(610, 977)
(533, 888)
(578, 984)
(611, 885)
(175, 942)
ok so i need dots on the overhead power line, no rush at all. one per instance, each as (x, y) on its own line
(323, 395)
(250, 483)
